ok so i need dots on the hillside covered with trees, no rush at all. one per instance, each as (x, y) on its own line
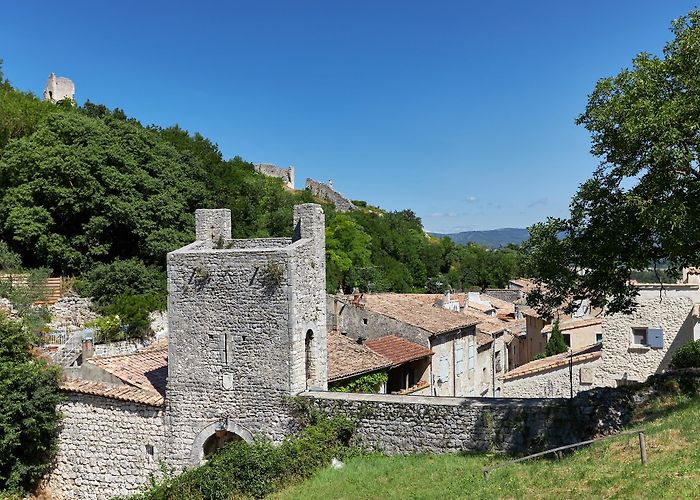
(91, 193)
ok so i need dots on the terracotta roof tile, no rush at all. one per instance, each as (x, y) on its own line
(397, 349)
(415, 309)
(120, 392)
(580, 355)
(146, 369)
(571, 324)
(347, 358)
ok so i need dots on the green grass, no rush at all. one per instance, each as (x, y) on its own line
(610, 469)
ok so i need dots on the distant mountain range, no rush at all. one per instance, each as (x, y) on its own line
(493, 238)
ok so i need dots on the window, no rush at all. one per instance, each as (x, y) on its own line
(459, 360)
(567, 339)
(443, 369)
(639, 336)
(470, 352)
(598, 338)
(364, 321)
(307, 354)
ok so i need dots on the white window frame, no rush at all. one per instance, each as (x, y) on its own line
(471, 353)
(459, 360)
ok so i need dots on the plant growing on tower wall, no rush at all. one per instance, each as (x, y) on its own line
(272, 275)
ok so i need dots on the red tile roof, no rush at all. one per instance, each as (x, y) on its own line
(120, 392)
(146, 369)
(398, 350)
(587, 353)
(347, 358)
(415, 310)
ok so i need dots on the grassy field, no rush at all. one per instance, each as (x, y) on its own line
(610, 469)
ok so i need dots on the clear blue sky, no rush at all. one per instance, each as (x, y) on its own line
(461, 111)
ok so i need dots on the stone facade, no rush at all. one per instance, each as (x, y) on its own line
(247, 328)
(58, 88)
(285, 174)
(670, 312)
(555, 383)
(106, 448)
(326, 192)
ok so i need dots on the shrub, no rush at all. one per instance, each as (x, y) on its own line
(556, 344)
(28, 417)
(686, 356)
(261, 468)
(105, 282)
(133, 311)
(109, 328)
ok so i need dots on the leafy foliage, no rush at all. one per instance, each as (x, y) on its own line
(555, 344)
(686, 356)
(642, 204)
(368, 383)
(261, 468)
(28, 417)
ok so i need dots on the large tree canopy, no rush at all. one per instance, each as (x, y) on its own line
(642, 205)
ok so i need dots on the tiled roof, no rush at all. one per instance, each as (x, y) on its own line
(524, 284)
(120, 392)
(347, 358)
(415, 310)
(146, 369)
(580, 355)
(480, 306)
(571, 324)
(398, 350)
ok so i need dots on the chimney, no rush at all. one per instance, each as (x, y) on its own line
(355, 296)
(88, 348)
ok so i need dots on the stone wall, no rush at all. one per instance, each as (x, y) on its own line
(71, 313)
(622, 360)
(106, 448)
(326, 192)
(419, 424)
(121, 347)
(58, 88)
(285, 174)
(556, 383)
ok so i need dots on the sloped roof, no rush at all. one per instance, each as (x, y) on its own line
(398, 350)
(415, 310)
(347, 358)
(571, 324)
(120, 392)
(146, 369)
(587, 353)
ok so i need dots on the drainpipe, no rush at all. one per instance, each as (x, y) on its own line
(493, 367)
(454, 368)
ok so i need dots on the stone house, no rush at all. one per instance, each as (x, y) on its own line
(468, 350)
(633, 346)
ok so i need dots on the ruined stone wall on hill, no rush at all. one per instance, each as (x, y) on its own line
(285, 174)
(327, 193)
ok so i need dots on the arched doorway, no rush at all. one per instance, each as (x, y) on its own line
(215, 436)
(217, 441)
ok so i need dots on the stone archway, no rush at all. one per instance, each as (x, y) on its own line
(215, 436)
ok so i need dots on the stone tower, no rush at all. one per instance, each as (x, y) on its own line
(247, 329)
(58, 88)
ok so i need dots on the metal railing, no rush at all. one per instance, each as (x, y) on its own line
(642, 451)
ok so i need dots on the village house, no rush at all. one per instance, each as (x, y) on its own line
(468, 350)
(349, 359)
(622, 348)
(410, 364)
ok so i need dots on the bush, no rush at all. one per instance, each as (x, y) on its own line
(105, 282)
(261, 468)
(133, 311)
(28, 417)
(686, 356)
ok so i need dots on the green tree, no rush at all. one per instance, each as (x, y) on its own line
(28, 417)
(642, 204)
(555, 344)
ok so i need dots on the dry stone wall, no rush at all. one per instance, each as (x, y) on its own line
(107, 448)
(71, 313)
